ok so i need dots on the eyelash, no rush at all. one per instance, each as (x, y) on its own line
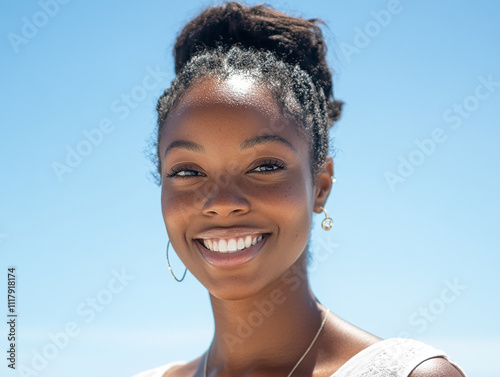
(175, 171)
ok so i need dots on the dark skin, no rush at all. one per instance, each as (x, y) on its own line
(268, 186)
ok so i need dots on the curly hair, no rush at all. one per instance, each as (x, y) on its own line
(284, 54)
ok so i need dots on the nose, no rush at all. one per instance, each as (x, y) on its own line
(225, 198)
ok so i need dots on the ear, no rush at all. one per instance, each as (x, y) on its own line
(323, 184)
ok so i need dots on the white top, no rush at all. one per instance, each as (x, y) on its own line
(395, 357)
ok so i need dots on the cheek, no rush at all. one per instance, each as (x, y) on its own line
(181, 205)
(176, 208)
(285, 195)
(295, 204)
(289, 203)
(293, 191)
(289, 206)
(188, 197)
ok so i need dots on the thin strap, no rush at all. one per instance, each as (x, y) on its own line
(396, 356)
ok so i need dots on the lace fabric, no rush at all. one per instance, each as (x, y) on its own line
(394, 357)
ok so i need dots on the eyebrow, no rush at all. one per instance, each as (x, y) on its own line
(249, 143)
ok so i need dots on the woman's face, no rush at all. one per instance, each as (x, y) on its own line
(236, 176)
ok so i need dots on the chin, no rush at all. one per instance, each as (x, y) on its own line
(234, 288)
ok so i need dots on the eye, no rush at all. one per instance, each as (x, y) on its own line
(182, 172)
(269, 166)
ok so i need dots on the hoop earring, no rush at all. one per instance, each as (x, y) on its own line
(327, 223)
(170, 268)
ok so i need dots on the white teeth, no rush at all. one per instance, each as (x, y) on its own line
(222, 246)
(241, 244)
(231, 245)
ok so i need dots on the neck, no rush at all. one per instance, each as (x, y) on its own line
(269, 330)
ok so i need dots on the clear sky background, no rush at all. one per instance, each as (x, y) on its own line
(415, 206)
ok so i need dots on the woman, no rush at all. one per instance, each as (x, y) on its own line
(242, 154)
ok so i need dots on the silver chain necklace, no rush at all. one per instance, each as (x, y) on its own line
(298, 362)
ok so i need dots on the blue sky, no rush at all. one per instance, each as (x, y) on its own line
(415, 246)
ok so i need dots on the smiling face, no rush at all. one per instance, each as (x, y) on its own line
(236, 176)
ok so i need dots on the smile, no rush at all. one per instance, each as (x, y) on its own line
(231, 252)
(231, 245)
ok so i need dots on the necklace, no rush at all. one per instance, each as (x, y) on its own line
(298, 362)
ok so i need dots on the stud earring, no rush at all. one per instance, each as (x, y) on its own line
(334, 179)
(170, 268)
(327, 223)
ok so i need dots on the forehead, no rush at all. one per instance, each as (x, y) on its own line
(234, 104)
(235, 92)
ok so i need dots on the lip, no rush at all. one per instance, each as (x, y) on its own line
(233, 232)
(231, 260)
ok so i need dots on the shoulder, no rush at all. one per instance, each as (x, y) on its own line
(419, 359)
(436, 367)
(400, 357)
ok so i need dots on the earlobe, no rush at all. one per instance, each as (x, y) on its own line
(324, 181)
